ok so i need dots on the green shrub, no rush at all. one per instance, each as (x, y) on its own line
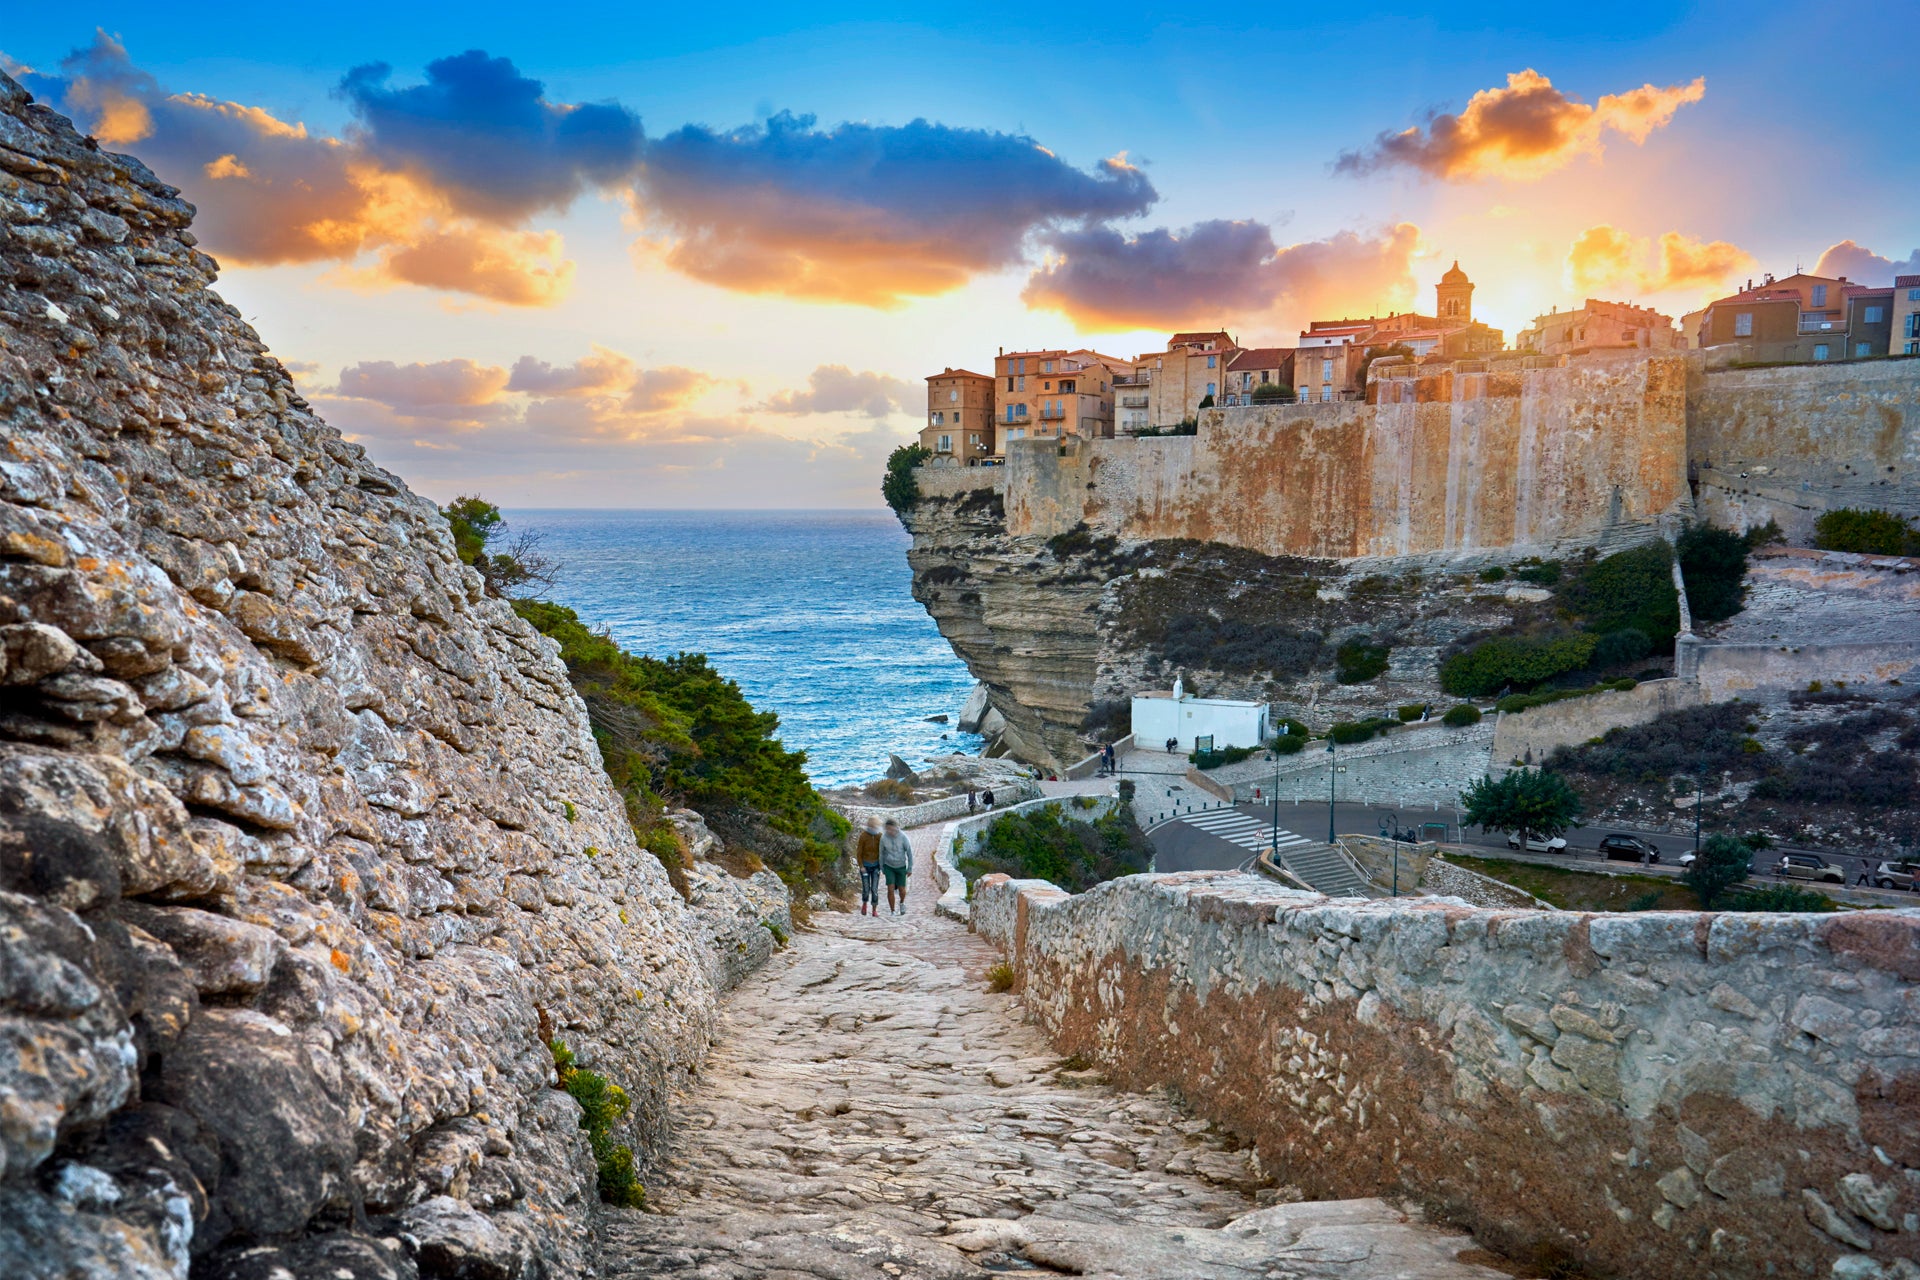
(1045, 844)
(1617, 648)
(1411, 711)
(1541, 573)
(1714, 564)
(1780, 897)
(1347, 732)
(1272, 393)
(1000, 977)
(1084, 802)
(1879, 533)
(1223, 755)
(1522, 802)
(1631, 589)
(1288, 744)
(602, 1106)
(779, 934)
(1724, 862)
(1522, 661)
(572, 814)
(1358, 661)
(1197, 640)
(1493, 573)
(1294, 729)
(1461, 715)
(1693, 739)
(900, 488)
(476, 524)
(1125, 790)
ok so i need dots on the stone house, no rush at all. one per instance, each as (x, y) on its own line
(1904, 338)
(1254, 367)
(1056, 392)
(1192, 368)
(959, 429)
(1599, 326)
(1799, 318)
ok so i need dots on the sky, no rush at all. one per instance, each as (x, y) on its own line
(683, 257)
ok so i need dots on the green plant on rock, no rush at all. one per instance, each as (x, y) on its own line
(1046, 844)
(1000, 977)
(1633, 588)
(1461, 715)
(1358, 661)
(1724, 862)
(1213, 758)
(603, 1105)
(1412, 711)
(1714, 564)
(1520, 661)
(1525, 803)
(521, 567)
(1878, 533)
(1125, 789)
(1347, 732)
(900, 487)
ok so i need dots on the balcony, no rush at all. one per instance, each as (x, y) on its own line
(1133, 402)
(1053, 415)
(1821, 324)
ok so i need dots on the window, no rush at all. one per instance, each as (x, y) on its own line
(1913, 325)
(1009, 382)
(1819, 295)
(952, 396)
(1913, 295)
(1020, 383)
(1067, 386)
(1913, 349)
(1046, 366)
(1326, 369)
(1862, 348)
(1743, 324)
(1048, 386)
(1819, 351)
(1326, 394)
(938, 419)
(946, 444)
(1211, 360)
(1874, 315)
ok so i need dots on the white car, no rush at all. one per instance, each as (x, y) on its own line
(1536, 845)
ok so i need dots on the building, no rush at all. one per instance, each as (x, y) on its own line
(1905, 339)
(1131, 403)
(1599, 326)
(1053, 393)
(959, 426)
(1255, 367)
(1321, 363)
(1191, 370)
(1333, 353)
(1800, 318)
(1160, 717)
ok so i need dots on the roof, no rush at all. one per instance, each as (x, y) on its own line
(1183, 339)
(1260, 358)
(1906, 282)
(1454, 274)
(1866, 291)
(959, 373)
(1321, 330)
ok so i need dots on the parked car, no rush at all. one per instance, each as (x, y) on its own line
(1897, 875)
(1536, 845)
(1808, 866)
(1619, 847)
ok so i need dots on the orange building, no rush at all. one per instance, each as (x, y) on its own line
(1053, 393)
(959, 426)
(1599, 326)
(1191, 371)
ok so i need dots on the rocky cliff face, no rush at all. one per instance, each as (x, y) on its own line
(1063, 630)
(300, 833)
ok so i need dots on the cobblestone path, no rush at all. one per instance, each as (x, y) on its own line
(872, 1110)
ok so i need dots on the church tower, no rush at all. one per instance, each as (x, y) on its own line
(1455, 298)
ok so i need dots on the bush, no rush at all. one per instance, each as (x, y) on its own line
(1461, 715)
(1288, 744)
(900, 487)
(602, 1105)
(1272, 393)
(1196, 640)
(1294, 728)
(1412, 711)
(894, 791)
(1524, 661)
(1863, 780)
(1109, 719)
(1879, 533)
(1347, 732)
(1000, 977)
(1541, 573)
(1617, 648)
(1714, 565)
(1223, 755)
(1780, 897)
(1125, 789)
(1357, 661)
(1724, 861)
(1631, 589)
(1045, 844)
(1522, 802)
(476, 525)
(1688, 741)
(1493, 573)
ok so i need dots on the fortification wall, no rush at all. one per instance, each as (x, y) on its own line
(1672, 1094)
(1448, 462)
(1791, 442)
(1530, 736)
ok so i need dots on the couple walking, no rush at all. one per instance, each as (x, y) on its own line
(883, 852)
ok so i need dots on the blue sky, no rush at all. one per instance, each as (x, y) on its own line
(746, 306)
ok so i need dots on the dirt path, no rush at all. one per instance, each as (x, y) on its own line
(872, 1110)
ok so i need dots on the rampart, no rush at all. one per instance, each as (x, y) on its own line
(1674, 1094)
(1530, 736)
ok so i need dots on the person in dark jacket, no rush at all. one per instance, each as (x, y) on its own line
(866, 849)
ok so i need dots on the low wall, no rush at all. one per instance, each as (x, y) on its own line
(1088, 766)
(944, 809)
(1726, 671)
(1415, 767)
(1673, 1094)
(1530, 736)
(1213, 787)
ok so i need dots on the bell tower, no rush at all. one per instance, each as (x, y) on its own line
(1454, 298)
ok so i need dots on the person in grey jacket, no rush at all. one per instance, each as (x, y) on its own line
(896, 864)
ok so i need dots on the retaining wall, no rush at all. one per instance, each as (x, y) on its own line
(1530, 736)
(944, 809)
(1672, 1094)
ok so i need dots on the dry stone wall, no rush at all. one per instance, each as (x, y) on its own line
(301, 835)
(1672, 1094)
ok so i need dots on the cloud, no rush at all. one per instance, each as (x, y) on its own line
(601, 373)
(1605, 257)
(1523, 131)
(461, 394)
(486, 136)
(834, 388)
(668, 387)
(1102, 280)
(861, 213)
(1864, 266)
(269, 192)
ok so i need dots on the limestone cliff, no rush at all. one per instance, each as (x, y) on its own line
(300, 833)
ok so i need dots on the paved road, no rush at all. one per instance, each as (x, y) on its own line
(1222, 838)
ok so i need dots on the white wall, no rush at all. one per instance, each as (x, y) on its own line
(1232, 724)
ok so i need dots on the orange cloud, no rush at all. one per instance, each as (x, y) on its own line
(835, 388)
(1605, 257)
(1522, 131)
(1863, 266)
(518, 268)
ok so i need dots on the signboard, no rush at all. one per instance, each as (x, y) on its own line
(1203, 742)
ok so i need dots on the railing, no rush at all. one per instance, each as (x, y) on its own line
(1049, 415)
(1819, 324)
(1133, 402)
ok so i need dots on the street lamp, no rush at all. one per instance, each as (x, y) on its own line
(1330, 836)
(1393, 847)
(1276, 804)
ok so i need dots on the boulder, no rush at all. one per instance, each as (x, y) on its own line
(975, 708)
(900, 771)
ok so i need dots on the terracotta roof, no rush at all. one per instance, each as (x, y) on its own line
(959, 373)
(1906, 282)
(1866, 291)
(1335, 330)
(1180, 339)
(1260, 358)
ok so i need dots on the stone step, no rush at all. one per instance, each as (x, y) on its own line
(1326, 869)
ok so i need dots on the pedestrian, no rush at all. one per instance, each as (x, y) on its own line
(896, 864)
(867, 850)
(986, 798)
(1173, 745)
(1106, 753)
(972, 803)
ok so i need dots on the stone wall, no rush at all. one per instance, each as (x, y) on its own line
(303, 838)
(1672, 1094)
(1530, 736)
(1791, 442)
(1419, 765)
(1447, 462)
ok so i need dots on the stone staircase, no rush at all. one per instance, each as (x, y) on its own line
(1327, 869)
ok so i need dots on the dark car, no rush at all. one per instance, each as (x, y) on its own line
(1625, 848)
(1809, 866)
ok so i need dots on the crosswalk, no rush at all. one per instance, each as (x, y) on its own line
(1236, 827)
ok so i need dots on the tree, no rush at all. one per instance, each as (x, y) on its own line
(1524, 802)
(900, 488)
(1206, 402)
(476, 524)
(1724, 862)
(1392, 351)
(1714, 564)
(1273, 393)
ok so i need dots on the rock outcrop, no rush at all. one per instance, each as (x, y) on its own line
(301, 834)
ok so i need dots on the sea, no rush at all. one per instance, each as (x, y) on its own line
(810, 612)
